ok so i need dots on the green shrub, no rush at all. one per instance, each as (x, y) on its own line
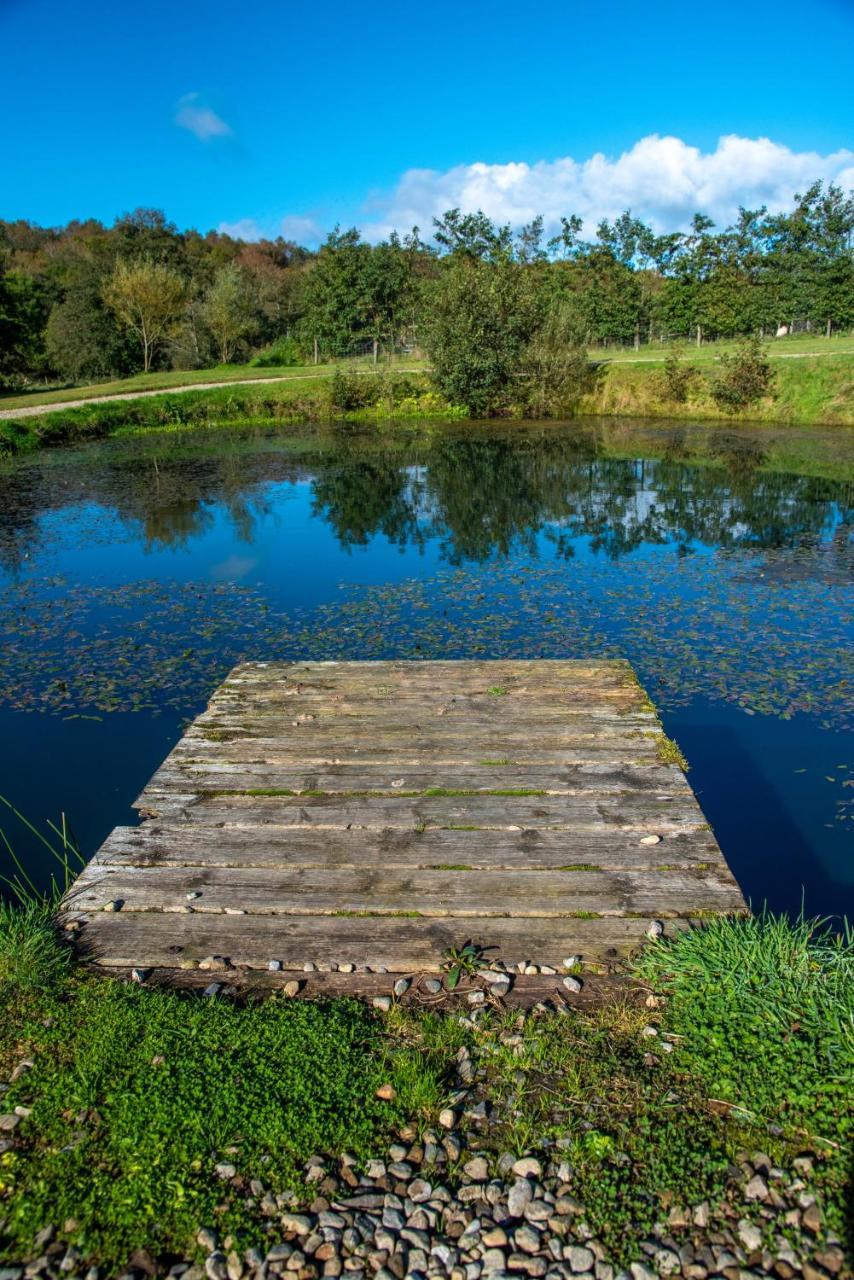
(743, 378)
(349, 391)
(283, 353)
(677, 379)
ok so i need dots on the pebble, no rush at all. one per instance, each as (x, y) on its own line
(216, 1267)
(447, 1118)
(527, 1238)
(650, 840)
(346, 967)
(749, 1235)
(291, 988)
(296, 1223)
(527, 1168)
(212, 989)
(756, 1189)
(580, 1258)
(9, 1122)
(138, 975)
(401, 986)
(274, 965)
(383, 1003)
(433, 986)
(519, 1197)
(571, 962)
(477, 1169)
(572, 984)
(655, 930)
(215, 963)
(226, 1171)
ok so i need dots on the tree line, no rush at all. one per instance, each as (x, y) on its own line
(86, 302)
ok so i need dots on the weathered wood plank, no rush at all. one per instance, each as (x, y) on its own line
(158, 939)
(241, 745)
(450, 672)
(189, 844)
(387, 891)
(189, 774)
(525, 991)
(657, 814)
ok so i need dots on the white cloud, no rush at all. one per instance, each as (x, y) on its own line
(243, 229)
(661, 179)
(301, 230)
(200, 120)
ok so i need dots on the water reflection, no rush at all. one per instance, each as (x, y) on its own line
(491, 495)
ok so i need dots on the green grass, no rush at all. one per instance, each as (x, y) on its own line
(766, 1012)
(778, 348)
(817, 390)
(809, 391)
(136, 1094)
(669, 752)
(171, 378)
(388, 396)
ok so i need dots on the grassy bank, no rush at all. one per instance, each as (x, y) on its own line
(164, 380)
(133, 1117)
(807, 391)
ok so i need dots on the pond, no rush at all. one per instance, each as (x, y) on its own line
(718, 560)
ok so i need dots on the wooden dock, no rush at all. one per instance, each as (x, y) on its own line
(371, 815)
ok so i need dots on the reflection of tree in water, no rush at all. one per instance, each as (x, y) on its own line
(363, 498)
(489, 497)
(480, 493)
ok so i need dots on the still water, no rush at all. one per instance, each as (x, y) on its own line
(719, 561)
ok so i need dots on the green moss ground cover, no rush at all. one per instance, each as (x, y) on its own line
(136, 1095)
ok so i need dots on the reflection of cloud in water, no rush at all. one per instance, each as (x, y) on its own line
(233, 568)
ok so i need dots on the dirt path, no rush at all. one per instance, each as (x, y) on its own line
(30, 411)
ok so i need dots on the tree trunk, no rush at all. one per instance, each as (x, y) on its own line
(637, 337)
(699, 336)
(829, 327)
(315, 351)
(376, 345)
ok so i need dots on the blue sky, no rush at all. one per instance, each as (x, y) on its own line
(293, 116)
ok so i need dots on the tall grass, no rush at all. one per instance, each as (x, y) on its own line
(63, 849)
(764, 1007)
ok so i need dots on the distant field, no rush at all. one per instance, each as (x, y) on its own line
(800, 346)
